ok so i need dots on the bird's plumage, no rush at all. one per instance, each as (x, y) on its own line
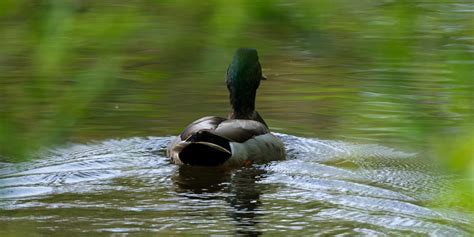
(243, 137)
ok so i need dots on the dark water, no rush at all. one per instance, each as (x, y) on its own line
(364, 94)
(128, 186)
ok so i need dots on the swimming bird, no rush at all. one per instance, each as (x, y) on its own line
(240, 139)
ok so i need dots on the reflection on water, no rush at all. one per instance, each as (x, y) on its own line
(200, 179)
(395, 72)
(245, 200)
(325, 187)
(240, 188)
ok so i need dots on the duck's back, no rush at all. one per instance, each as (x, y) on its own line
(214, 141)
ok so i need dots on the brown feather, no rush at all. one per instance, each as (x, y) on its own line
(205, 123)
(236, 130)
(240, 130)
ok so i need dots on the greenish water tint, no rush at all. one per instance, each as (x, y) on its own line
(382, 73)
(325, 187)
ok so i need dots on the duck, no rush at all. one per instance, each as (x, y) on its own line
(241, 139)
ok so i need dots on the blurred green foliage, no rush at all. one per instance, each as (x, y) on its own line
(380, 71)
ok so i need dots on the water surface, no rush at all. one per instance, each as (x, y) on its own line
(128, 186)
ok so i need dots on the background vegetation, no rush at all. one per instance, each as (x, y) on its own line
(390, 72)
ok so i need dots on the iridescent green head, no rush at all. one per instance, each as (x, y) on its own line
(243, 78)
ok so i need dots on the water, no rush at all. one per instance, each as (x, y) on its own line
(128, 186)
(373, 100)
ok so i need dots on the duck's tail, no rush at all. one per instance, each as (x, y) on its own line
(205, 149)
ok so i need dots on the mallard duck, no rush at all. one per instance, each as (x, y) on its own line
(241, 139)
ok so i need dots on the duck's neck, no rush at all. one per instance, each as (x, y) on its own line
(243, 107)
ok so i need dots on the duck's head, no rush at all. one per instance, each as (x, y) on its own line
(243, 78)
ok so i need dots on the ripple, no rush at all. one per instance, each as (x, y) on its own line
(127, 185)
(21, 192)
(336, 186)
(392, 222)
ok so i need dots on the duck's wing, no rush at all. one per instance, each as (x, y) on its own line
(237, 130)
(212, 141)
(206, 123)
(240, 130)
